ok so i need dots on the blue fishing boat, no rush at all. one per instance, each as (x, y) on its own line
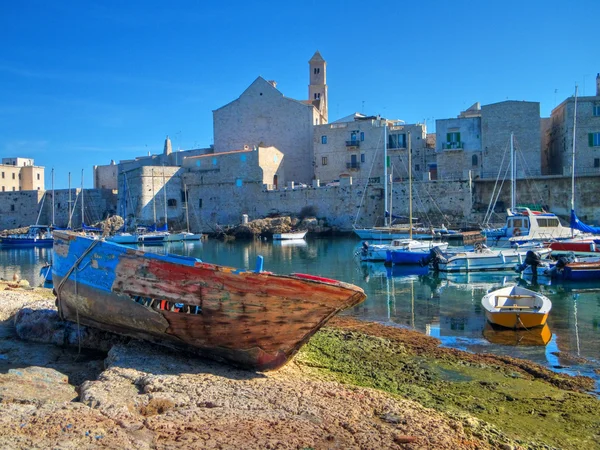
(252, 319)
(36, 236)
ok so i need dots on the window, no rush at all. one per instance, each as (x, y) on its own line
(417, 167)
(13, 176)
(14, 187)
(317, 95)
(316, 70)
(3, 189)
(12, 207)
(594, 139)
(397, 140)
(474, 160)
(172, 202)
(199, 203)
(2, 174)
(183, 199)
(362, 135)
(596, 110)
(362, 157)
(38, 177)
(324, 160)
(596, 162)
(323, 139)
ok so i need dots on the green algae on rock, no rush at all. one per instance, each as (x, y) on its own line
(528, 409)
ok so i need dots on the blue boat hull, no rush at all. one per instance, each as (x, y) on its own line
(26, 242)
(255, 320)
(406, 257)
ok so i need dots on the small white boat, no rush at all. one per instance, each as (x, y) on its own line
(378, 252)
(516, 307)
(294, 235)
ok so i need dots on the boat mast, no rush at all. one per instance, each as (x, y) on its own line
(52, 197)
(69, 223)
(165, 196)
(385, 178)
(409, 188)
(573, 159)
(153, 198)
(82, 209)
(187, 216)
(513, 173)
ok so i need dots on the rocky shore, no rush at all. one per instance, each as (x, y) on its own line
(354, 385)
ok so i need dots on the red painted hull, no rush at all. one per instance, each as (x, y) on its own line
(253, 320)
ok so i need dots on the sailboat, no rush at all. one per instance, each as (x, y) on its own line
(524, 225)
(124, 237)
(389, 231)
(588, 241)
(407, 250)
(412, 251)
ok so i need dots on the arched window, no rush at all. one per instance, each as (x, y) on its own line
(172, 202)
(474, 160)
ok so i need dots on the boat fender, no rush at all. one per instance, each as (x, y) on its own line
(517, 232)
(163, 305)
(593, 247)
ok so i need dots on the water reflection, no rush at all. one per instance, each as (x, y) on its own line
(538, 336)
(447, 306)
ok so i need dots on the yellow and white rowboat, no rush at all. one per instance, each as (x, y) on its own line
(516, 307)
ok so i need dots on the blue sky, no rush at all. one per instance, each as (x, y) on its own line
(84, 82)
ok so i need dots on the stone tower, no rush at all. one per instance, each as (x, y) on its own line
(317, 89)
(168, 149)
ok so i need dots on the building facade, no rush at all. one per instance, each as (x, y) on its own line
(354, 147)
(20, 174)
(263, 117)
(587, 139)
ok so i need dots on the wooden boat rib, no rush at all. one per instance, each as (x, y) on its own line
(255, 320)
(516, 307)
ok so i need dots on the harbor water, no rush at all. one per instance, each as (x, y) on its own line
(446, 306)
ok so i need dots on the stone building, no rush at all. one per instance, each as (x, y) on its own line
(263, 117)
(105, 177)
(587, 140)
(458, 144)
(354, 146)
(477, 142)
(20, 174)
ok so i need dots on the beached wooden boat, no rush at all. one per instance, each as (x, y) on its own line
(256, 320)
(516, 307)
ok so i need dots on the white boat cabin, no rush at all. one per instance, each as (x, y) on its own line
(523, 224)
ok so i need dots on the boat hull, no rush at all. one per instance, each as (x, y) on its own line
(252, 320)
(516, 307)
(284, 236)
(26, 242)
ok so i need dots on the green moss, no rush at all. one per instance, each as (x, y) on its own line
(527, 410)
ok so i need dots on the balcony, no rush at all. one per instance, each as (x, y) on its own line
(353, 165)
(453, 145)
(352, 143)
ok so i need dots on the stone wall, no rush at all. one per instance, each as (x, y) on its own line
(18, 209)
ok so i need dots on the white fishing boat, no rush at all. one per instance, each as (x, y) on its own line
(516, 307)
(480, 259)
(292, 235)
(378, 252)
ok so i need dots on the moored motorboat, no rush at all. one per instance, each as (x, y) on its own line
(252, 319)
(378, 252)
(36, 236)
(291, 235)
(516, 307)
(480, 259)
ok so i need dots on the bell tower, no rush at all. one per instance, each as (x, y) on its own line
(317, 89)
(598, 85)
